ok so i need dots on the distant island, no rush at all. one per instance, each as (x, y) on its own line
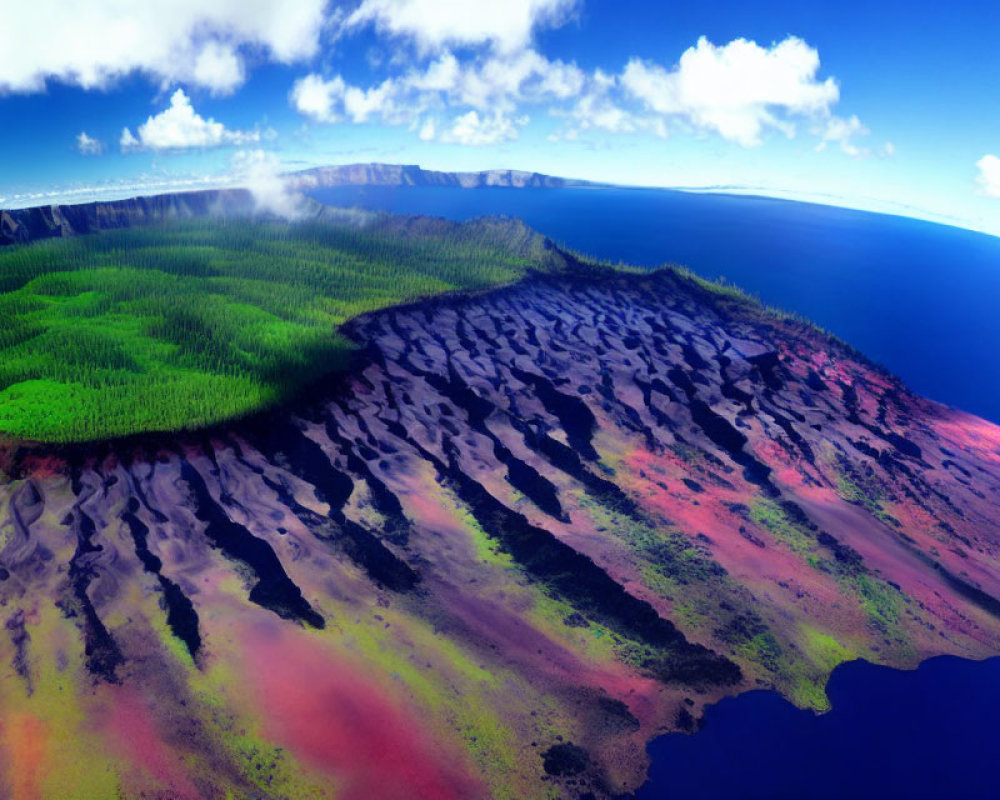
(413, 175)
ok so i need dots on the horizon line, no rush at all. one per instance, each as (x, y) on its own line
(126, 190)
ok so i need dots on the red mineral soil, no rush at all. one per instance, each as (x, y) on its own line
(529, 530)
(132, 732)
(337, 720)
(24, 740)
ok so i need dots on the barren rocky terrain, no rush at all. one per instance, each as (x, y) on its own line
(528, 531)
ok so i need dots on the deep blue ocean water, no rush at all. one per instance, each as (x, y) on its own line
(930, 734)
(920, 298)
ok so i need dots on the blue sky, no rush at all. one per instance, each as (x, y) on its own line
(890, 106)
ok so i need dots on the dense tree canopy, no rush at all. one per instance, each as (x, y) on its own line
(183, 324)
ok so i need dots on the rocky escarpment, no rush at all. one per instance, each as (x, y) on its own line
(22, 225)
(413, 175)
(528, 531)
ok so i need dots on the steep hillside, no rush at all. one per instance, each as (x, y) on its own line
(22, 225)
(528, 531)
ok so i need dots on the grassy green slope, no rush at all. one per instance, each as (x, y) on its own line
(184, 324)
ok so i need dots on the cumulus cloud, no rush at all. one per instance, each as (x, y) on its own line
(435, 24)
(260, 172)
(597, 110)
(394, 101)
(507, 80)
(335, 100)
(472, 129)
(601, 108)
(87, 145)
(218, 66)
(314, 97)
(737, 90)
(179, 127)
(128, 140)
(989, 175)
(428, 130)
(487, 91)
(202, 43)
(361, 105)
(843, 131)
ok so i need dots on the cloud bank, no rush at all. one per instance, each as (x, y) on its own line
(462, 71)
(432, 25)
(207, 44)
(465, 101)
(740, 91)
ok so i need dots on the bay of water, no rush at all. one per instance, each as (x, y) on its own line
(930, 734)
(920, 298)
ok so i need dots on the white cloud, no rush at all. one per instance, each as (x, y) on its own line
(440, 76)
(989, 175)
(506, 25)
(257, 170)
(94, 43)
(599, 108)
(219, 67)
(180, 126)
(335, 100)
(737, 90)
(111, 190)
(260, 172)
(87, 145)
(379, 101)
(428, 130)
(128, 140)
(524, 77)
(843, 130)
(314, 97)
(493, 86)
(476, 130)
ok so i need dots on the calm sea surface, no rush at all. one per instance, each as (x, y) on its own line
(921, 298)
(930, 734)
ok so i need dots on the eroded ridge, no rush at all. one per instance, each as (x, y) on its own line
(531, 529)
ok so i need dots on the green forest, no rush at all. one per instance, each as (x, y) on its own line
(179, 325)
